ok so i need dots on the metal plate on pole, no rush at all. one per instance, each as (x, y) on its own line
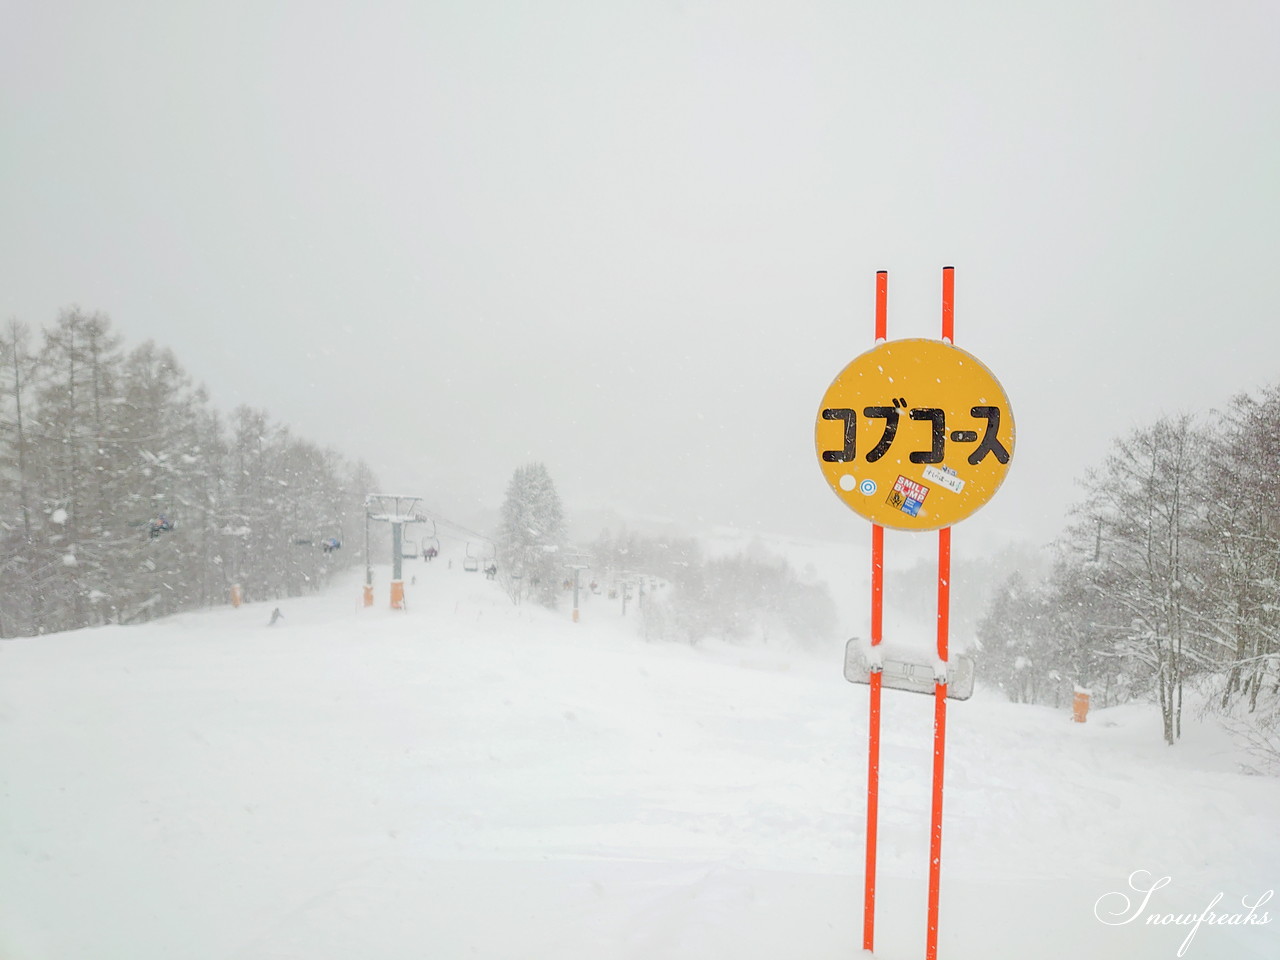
(912, 676)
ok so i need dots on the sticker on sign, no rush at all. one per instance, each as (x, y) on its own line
(945, 478)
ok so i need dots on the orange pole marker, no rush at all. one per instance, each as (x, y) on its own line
(873, 741)
(882, 304)
(949, 304)
(939, 741)
(944, 592)
(940, 689)
(1080, 706)
(877, 584)
(873, 718)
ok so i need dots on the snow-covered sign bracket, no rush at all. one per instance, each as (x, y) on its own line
(910, 676)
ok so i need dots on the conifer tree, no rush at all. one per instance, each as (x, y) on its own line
(532, 536)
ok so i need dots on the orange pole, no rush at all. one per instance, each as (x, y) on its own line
(935, 839)
(939, 742)
(877, 584)
(944, 591)
(873, 741)
(949, 304)
(882, 303)
(877, 634)
(940, 689)
(873, 818)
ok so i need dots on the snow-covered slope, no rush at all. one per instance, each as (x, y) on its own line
(470, 779)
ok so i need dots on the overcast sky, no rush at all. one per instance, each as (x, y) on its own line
(637, 240)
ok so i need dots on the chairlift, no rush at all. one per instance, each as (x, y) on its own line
(409, 549)
(158, 525)
(327, 544)
(471, 562)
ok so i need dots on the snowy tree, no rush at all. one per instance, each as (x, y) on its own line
(1240, 614)
(1079, 618)
(1017, 650)
(209, 448)
(257, 519)
(531, 536)
(161, 416)
(79, 372)
(1143, 519)
(18, 596)
(313, 499)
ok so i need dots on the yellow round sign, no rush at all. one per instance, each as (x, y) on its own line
(915, 434)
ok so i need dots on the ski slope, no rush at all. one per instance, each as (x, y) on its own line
(469, 779)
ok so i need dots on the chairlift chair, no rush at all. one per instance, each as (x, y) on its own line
(158, 525)
(413, 549)
(473, 558)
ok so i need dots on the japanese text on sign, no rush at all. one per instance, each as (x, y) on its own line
(990, 443)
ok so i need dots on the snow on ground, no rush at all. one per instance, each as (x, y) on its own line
(470, 779)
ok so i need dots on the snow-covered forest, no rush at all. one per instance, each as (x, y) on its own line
(679, 590)
(124, 495)
(1165, 581)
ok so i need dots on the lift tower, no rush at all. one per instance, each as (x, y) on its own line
(398, 510)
